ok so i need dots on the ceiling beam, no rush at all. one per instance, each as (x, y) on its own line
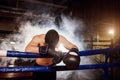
(43, 3)
(5, 32)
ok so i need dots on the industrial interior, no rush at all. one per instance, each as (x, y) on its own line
(98, 23)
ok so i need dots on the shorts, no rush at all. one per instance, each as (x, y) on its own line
(43, 75)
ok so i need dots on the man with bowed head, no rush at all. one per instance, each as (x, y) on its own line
(46, 45)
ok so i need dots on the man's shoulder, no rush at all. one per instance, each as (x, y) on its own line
(39, 36)
(61, 36)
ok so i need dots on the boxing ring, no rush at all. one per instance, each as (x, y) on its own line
(105, 66)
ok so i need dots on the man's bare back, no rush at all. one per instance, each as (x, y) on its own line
(48, 45)
(39, 40)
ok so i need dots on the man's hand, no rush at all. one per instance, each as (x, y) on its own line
(57, 56)
(48, 52)
(43, 49)
(72, 59)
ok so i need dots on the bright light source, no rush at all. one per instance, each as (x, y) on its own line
(111, 32)
(12, 42)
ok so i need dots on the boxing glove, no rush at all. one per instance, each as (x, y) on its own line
(72, 61)
(57, 55)
(45, 51)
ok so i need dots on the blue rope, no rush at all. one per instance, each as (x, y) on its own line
(82, 53)
(54, 68)
(24, 69)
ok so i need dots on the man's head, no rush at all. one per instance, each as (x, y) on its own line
(52, 38)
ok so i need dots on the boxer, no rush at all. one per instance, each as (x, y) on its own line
(46, 44)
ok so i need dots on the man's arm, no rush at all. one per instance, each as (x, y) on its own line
(33, 45)
(72, 58)
(67, 44)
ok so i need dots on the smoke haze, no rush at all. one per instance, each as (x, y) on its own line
(40, 25)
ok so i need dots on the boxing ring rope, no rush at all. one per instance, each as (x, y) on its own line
(31, 55)
(104, 65)
(54, 68)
